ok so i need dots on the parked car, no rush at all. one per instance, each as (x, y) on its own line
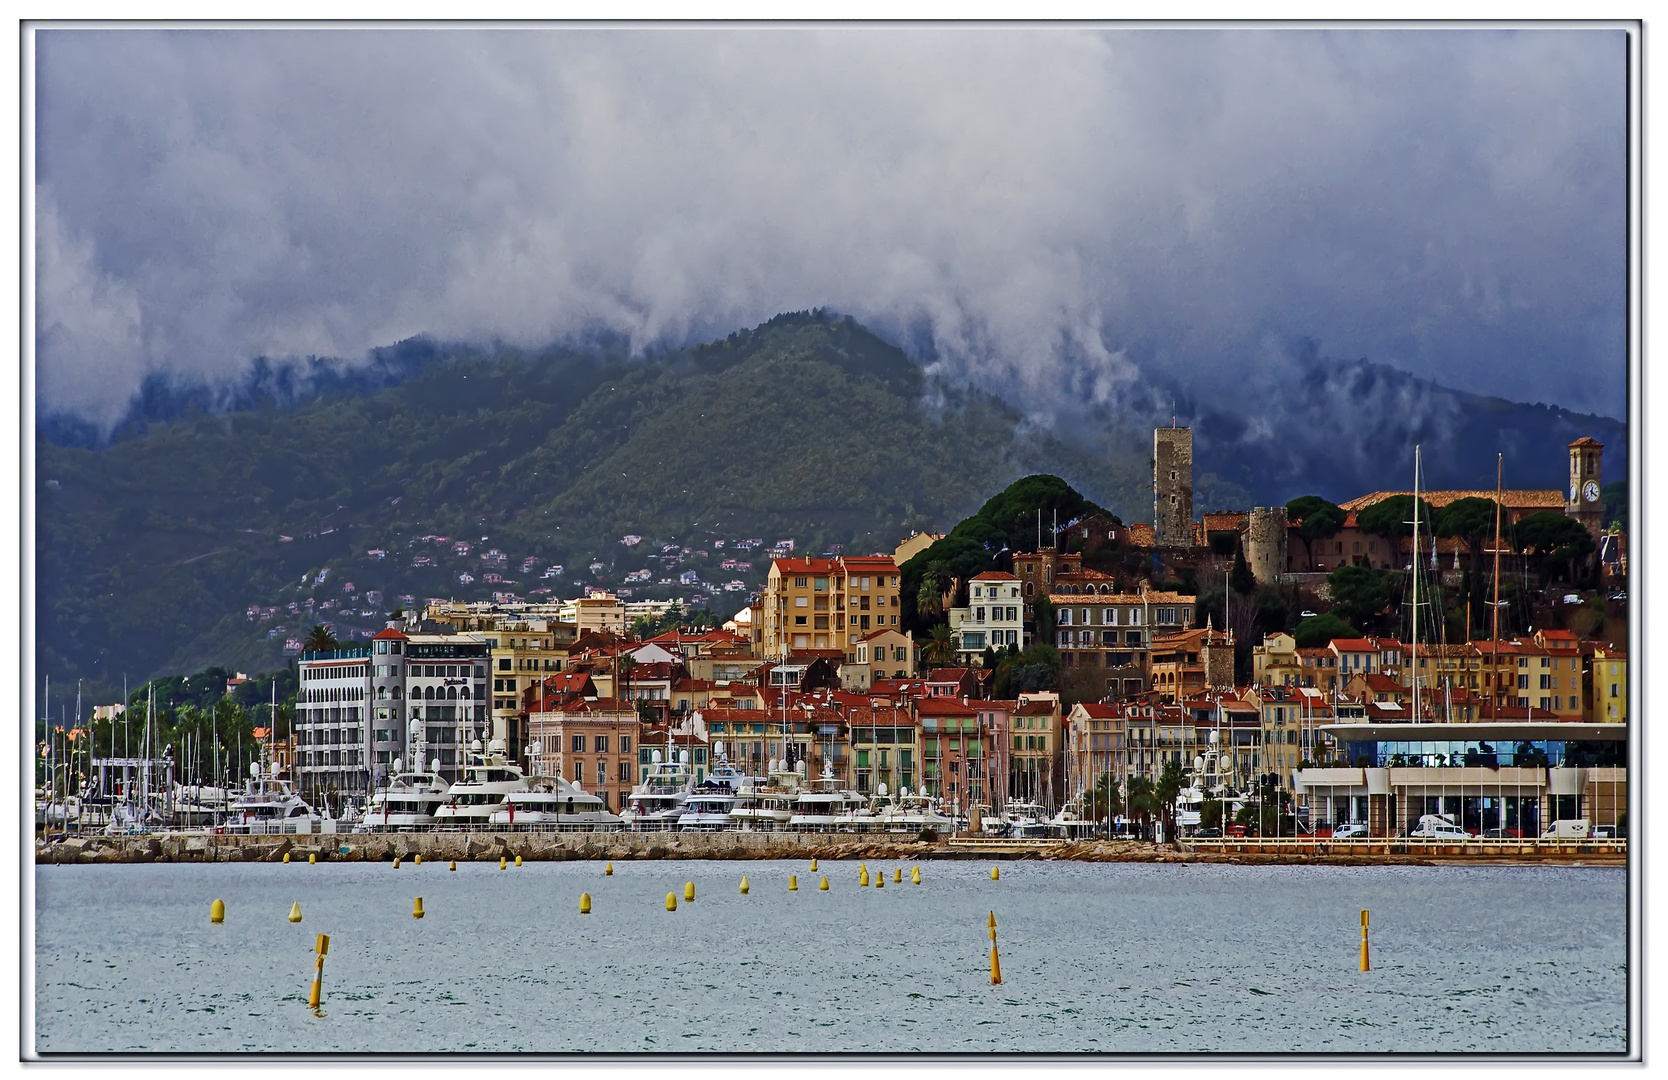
(1349, 830)
(1208, 834)
(1603, 832)
(1502, 834)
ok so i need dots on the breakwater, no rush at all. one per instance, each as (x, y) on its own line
(625, 846)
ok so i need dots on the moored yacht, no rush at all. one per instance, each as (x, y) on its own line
(407, 801)
(657, 802)
(487, 781)
(826, 803)
(911, 812)
(770, 804)
(708, 808)
(268, 804)
(554, 803)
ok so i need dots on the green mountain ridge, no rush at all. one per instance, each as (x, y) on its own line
(151, 550)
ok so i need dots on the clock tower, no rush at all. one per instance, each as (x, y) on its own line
(1584, 504)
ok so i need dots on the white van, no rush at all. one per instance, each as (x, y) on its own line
(1568, 829)
(1349, 830)
(1438, 827)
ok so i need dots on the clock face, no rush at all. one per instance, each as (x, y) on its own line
(1591, 491)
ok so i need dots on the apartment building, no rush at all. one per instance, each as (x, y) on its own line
(1112, 632)
(827, 603)
(993, 617)
(590, 743)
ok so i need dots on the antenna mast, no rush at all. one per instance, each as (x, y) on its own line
(1494, 698)
(1415, 656)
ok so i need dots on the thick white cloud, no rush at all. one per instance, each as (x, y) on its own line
(1054, 212)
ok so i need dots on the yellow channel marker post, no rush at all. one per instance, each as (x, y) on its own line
(610, 871)
(1364, 965)
(793, 883)
(671, 901)
(915, 875)
(824, 885)
(323, 947)
(995, 964)
(417, 909)
(744, 884)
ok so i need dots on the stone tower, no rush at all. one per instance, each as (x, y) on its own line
(1173, 486)
(1265, 544)
(1584, 504)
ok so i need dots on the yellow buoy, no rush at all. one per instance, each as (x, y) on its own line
(995, 874)
(995, 968)
(863, 879)
(396, 862)
(417, 860)
(793, 883)
(813, 866)
(1365, 965)
(824, 885)
(897, 876)
(671, 901)
(992, 925)
(502, 862)
(286, 856)
(584, 903)
(880, 881)
(217, 911)
(610, 871)
(295, 911)
(312, 859)
(915, 875)
(453, 866)
(417, 909)
(689, 890)
(744, 884)
(518, 860)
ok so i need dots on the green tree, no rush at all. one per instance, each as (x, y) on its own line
(1557, 539)
(1392, 519)
(1360, 593)
(1240, 577)
(1165, 791)
(940, 647)
(1614, 495)
(1470, 520)
(1104, 801)
(1318, 630)
(1210, 814)
(320, 639)
(1316, 519)
(1042, 609)
(929, 596)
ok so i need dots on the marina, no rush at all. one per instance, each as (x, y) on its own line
(1207, 968)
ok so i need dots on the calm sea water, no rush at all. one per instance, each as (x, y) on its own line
(1109, 957)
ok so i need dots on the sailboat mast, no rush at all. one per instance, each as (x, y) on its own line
(1494, 653)
(1415, 654)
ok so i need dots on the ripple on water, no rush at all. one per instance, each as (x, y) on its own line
(1107, 957)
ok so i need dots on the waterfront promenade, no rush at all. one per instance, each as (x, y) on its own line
(626, 846)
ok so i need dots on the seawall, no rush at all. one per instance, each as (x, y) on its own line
(623, 846)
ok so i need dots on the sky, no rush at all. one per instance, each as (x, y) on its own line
(1060, 215)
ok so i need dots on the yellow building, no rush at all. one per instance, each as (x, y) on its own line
(827, 603)
(917, 543)
(1608, 679)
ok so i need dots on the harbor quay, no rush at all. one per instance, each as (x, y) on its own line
(487, 846)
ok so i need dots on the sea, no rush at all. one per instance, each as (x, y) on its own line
(1108, 958)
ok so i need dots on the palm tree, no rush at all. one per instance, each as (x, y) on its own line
(319, 639)
(940, 648)
(1143, 801)
(929, 600)
(1168, 787)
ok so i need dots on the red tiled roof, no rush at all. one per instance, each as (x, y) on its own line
(1552, 500)
(388, 634)
(803, 566)
(945, 706)
(994, 575)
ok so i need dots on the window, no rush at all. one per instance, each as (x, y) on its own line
(579, 744)
(799, 583)
(602, 746)
(820, 584)
(625, 772)
(800, 601)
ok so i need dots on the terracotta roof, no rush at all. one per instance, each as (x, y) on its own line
(1075, 599)
(868, 562)
(947, 674)
(1224, 522)
(803, 566)
(1097, 711)
(945, 706)
(994, 575)
(1142, 535)
(1587, 440)
(388, 634)
(1552, 500)
(877, 633)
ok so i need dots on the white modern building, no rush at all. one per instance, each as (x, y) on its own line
(993, 618)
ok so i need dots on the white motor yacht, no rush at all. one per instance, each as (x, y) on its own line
(826, 803)
(408, 800)
(657, 802)
(199, 804)
(910, 812)
(1028, 819)
(554, 803)
(268, 804)
(1070, 824)
(708, 809)
(488, 780)
(767, 805)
